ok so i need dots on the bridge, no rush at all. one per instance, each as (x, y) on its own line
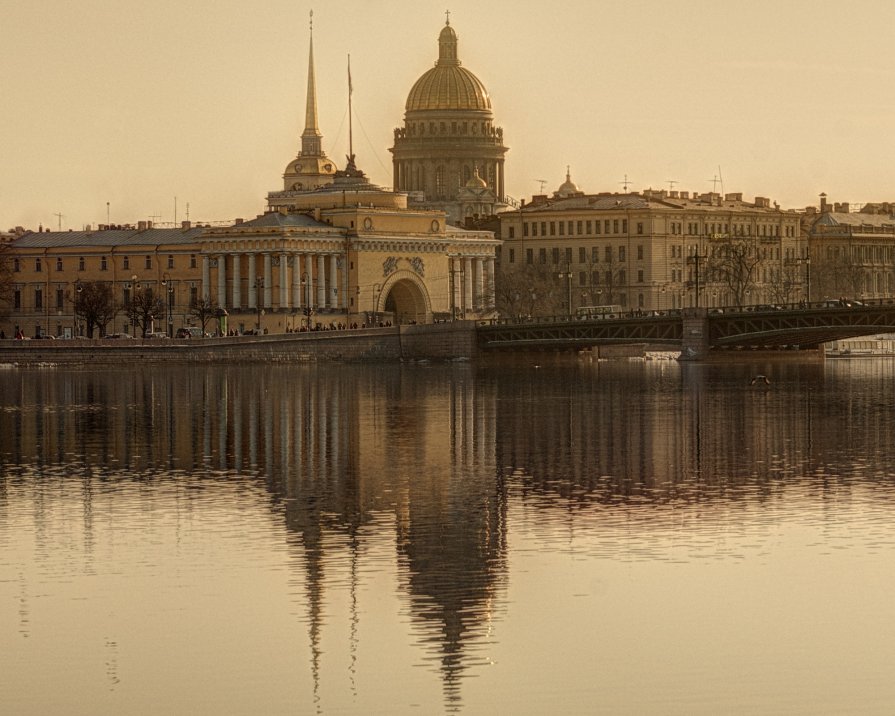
(697, 331)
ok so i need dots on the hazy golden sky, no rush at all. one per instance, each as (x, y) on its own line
(134, 103)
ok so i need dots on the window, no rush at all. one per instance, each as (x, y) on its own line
(579, 228)
(38, 267)
(16, 266)
(621, 253)
(569, 255)
(103, 264)
(608, 254)
(624, 226)
(126, 295)
(582, 278)
(553, 228)
(639, 227)
(529, 256)
(606, 226)
(149, 262)
(588, 226)
(512, 256)
(534, 228)
(640, 253)
(60, 299)
(596, 227)
(38, 299)
(525, 229)
(542, 256)
(582, 255)
(622, 277)
(640, 276)
(192, 260)
(615, 226)
(595, 254)
(17, 299)
(80, 263)
(555, 254)
(543, 228)
(562, 228)
(640, 300)
(595, 278)
(571, 229)
(59, 263)
(512, 235)
(194, 295)
(171, 258)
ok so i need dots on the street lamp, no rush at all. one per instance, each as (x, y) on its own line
(307, 309)
(377, 292)
(567, 275)
(168, 284)
(134, 304)
(694, 259)
(259, 284)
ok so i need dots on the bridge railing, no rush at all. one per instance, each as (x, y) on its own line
(825, 304)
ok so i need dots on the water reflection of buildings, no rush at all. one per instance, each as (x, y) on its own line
(335, 447)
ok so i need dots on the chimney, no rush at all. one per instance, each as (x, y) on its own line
(824, 208)
(185, 225)
(237, 222)
(141, 226)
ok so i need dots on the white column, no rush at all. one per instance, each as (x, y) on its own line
(296, 280)
(284, 281)
(235, 283)
(251, 275)
(480, 283)
(467, 283)
(334, 283)
(206, 277)
(222, 280)
(321, 281)
(268, 280)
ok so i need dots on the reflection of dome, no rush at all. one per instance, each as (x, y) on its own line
(568, 187)
(448, 85)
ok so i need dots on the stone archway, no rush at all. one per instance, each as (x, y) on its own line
(406, 298)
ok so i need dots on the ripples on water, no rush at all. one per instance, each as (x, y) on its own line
(574, 538)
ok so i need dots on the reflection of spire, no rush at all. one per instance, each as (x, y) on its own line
(310, 138)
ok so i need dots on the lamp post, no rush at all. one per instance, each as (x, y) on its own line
(134, 304)
(307, 309)
(259, 284)
(567, 275)
(694, 259)
(77, 307)
(168, 285)
(377, 292)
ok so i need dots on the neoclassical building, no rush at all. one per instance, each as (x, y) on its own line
(331, 249)
(449, 155)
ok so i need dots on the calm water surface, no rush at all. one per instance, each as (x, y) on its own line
(580, 538)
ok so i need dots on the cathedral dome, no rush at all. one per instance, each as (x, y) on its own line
(448, 86)
(568, 187)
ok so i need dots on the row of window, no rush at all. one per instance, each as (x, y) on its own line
(17, 263)
(620, 226)
(59, 304)
(584, 256)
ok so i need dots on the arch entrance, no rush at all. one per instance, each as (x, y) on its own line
(407, 300)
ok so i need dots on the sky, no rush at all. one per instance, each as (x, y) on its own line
(162, 103)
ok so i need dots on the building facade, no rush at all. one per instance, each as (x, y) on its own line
(653, 250)
(852, 253)
(331, 250)
(449, 155)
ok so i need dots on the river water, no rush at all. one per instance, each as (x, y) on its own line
(531, 537)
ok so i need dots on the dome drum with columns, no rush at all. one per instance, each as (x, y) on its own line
(448, 138)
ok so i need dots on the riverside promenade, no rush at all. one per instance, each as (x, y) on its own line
(440, 341)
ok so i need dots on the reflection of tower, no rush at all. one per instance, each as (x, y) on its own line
(449, 144)
(451, 526)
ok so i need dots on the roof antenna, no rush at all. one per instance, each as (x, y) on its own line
(350, 125)
(625, 183)
(543, 183)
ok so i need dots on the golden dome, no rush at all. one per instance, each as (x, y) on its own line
(448, 86)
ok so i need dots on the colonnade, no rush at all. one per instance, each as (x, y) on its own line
(302, 280)
(472, 282)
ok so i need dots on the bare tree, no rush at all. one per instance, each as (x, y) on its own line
(94, 304)
(5, 273)
(143, 308)
(526, 290)
(837, 273)
(203, 309)
(785, 282)
(734, 263)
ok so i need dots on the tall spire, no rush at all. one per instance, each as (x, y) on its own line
(310, 138)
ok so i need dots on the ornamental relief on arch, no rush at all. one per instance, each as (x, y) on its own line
(393, 263)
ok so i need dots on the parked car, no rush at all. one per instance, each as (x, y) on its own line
(127, 336)
(190, 332)
(158, 335)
